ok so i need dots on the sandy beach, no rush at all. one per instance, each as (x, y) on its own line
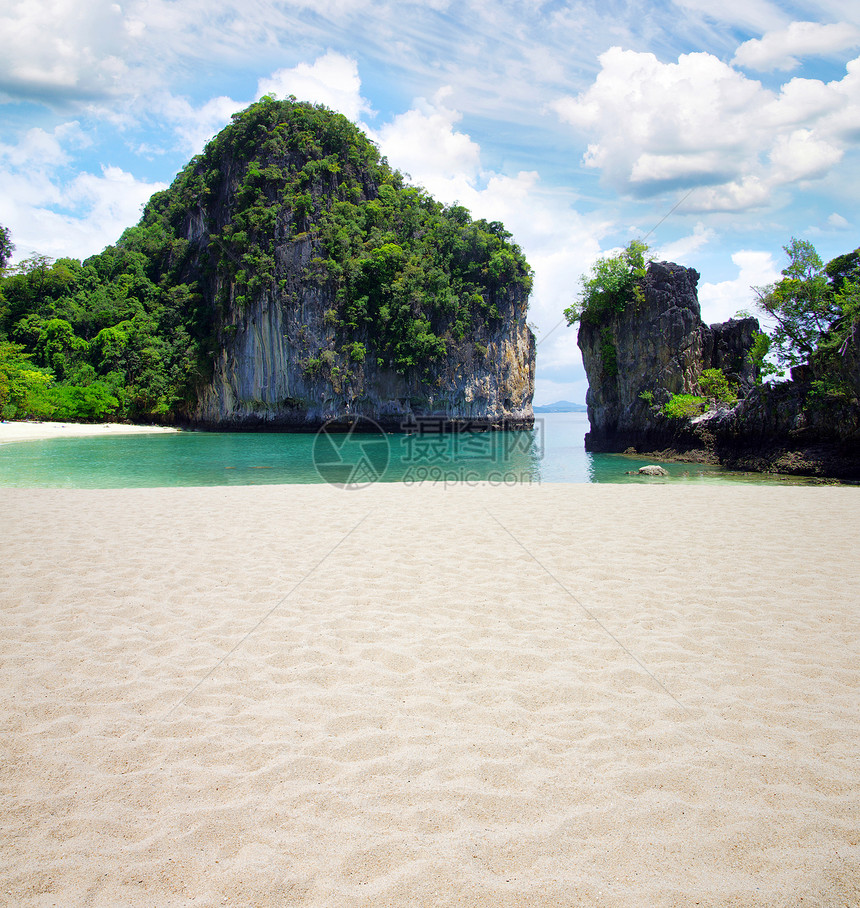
(586, 695)
(37, 431)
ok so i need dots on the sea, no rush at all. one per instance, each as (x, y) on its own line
(552, 452)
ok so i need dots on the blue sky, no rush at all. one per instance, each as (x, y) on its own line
(579, 125)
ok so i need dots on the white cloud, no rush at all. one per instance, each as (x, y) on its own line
(332, 80)
(837, 222)
(701, 123)
(59, 49)
(58, 217)
(657, 122)
(424, 143)
(112, 200)
(679, 251)
(783, 49)
(39, 148)
(801, 156)
(195, 126)
(66, 53)
(721, 301)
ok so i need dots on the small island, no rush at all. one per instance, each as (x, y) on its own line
(288, 277)
(663, 383)
(561, 406)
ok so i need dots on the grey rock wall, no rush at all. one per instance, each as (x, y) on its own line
(660, 346)
(261, 378)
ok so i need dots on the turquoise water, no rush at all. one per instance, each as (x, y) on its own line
(553, 452)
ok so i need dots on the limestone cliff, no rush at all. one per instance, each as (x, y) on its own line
(280, 362)
(332, 289)
(658, 346)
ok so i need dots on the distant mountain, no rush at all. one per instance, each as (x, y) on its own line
(561, 406)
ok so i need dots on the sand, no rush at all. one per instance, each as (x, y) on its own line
(582, 695)
(36, 431)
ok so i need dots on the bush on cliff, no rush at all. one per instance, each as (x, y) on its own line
(684, 406)
(715, 386)
(612, 286)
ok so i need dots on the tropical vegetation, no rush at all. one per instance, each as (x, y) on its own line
(815, 307)
(131, 333)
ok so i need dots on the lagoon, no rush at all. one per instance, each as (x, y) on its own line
(551, 453)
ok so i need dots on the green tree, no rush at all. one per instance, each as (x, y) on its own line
(23, 386)
(802, 304)
(758, 357)
(7, 247)
(844, 269)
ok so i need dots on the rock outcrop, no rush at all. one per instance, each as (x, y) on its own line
(333, 290)
(797, 427)
(658, 347)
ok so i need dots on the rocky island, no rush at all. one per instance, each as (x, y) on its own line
(287, 277)
(662, 382)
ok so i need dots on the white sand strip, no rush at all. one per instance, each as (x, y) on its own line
(584, 695)
(37, 431)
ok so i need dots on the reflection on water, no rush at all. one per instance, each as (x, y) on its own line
(552, 452)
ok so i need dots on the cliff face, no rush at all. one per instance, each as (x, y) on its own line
(659, 346)
(333, 290)
(261, 374)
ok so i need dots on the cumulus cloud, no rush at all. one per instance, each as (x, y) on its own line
(112, 200)
(701, 123)
(783, 49)
(723, 300)
(73, 219)
(801, 156)
(332, 80)
(58, 216)
(661, 124)
(424, 142)
(39, 148)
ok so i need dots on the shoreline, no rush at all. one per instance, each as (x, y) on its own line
(25, 430)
